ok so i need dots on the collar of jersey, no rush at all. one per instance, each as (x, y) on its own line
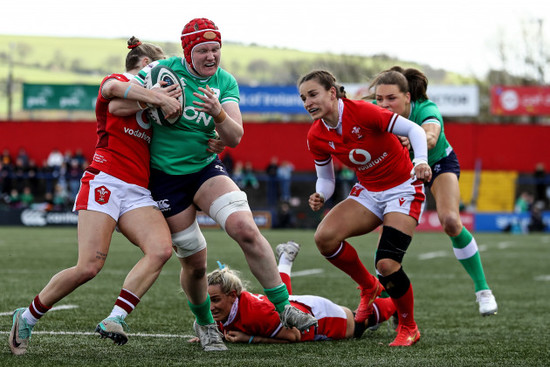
(338, 127)
(232, 313)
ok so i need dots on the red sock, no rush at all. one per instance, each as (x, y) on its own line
(37, 309)
(385, 308)
(346, 259)
(405, 308)
(127, 300)
(286, 279)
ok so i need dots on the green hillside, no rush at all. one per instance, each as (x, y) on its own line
(56, 60)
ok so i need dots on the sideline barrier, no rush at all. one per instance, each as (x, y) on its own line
(480, 222)
(507, 222)
(429, 222)
(42, 218)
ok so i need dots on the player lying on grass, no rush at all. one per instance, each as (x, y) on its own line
(244, 317)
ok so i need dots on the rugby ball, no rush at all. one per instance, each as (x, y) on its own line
(153, 80)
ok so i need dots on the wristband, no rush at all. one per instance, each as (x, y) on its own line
(127, 91)
(140, 106)
(221, 117)
(418, 161)
(250, 340)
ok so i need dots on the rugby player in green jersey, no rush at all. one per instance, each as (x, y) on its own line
(186, 176)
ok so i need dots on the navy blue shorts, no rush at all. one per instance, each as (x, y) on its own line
(175, 193)
(447, 164)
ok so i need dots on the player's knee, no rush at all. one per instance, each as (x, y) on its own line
(392, 247)
(189, 241)
(387, 266)
(198, 272)
(326, 240)
(451, 223)
(161, 254)
(88, 272)
(242, 229)
(396, 283)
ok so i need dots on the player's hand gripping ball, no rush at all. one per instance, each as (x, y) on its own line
(156, 75)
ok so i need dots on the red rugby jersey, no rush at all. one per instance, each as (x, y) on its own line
(122, 148)
(366, 145)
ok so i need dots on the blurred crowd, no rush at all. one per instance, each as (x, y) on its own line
(51, 185)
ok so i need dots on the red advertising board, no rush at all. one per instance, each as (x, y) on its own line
(429, 222)
(512, 100)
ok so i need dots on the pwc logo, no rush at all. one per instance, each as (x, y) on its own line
(102, 195)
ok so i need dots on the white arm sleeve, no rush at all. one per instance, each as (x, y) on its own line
(416, 135)
(326, 180)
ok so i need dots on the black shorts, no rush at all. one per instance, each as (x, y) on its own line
(447, 164)
(175, 193)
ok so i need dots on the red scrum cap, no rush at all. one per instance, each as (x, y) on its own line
(197, 31)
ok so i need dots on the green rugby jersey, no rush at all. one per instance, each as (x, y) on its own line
(427, 111)
(181, 148)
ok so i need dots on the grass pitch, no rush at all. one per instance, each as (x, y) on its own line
(453, 332)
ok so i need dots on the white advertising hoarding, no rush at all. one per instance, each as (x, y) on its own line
(452, 100)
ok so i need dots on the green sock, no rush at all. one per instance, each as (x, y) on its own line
(202, 312)
(278, 296)
(465, 249)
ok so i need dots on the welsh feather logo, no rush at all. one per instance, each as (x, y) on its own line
(102, 195)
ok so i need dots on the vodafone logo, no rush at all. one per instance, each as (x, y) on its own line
(509, 100)
(359, 156)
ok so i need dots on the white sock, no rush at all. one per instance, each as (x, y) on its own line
(118, 312)
(27, 315)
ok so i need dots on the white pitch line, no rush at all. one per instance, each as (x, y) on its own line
(433, 255)
(544, 278)
(94, 334)
(55, 308)
(505, 244)
(303, 273)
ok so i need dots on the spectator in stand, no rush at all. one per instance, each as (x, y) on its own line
(55, 159)
(79, 156)
(227, 161)
(68, 156)
(14, 199)
(237, 175)
(285, 216)
(272, 182)
(19, 174)
(523, 202)
(284, 174)
(23, 156)
(244, 176)
(60, 198)
(72, 176)
(249, 177)
(6, 157)
(536, 222)
(540, 184)
(33, 173)
(26, 197)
